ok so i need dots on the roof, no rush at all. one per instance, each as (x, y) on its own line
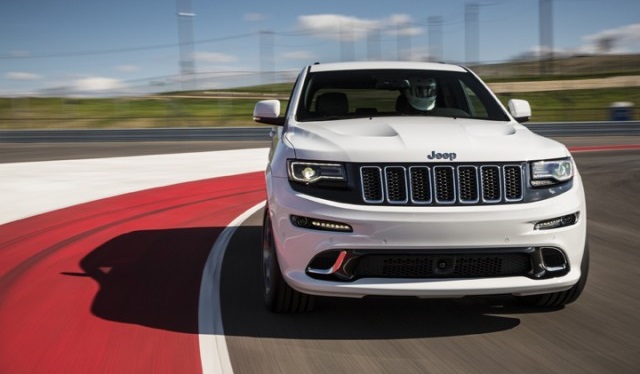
(380, 65)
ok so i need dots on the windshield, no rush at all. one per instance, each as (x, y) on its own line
(348, 94)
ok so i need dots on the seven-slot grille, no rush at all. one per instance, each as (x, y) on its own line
(442, 184)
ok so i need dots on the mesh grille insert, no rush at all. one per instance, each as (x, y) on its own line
(371, 178)
(443, 266)
(491, 183)
(396, 182)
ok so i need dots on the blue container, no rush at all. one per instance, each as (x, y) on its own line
(621, 111)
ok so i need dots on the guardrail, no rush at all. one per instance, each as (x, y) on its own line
(626, 128)
(135, 135)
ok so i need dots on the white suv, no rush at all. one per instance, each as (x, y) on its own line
(411, 179)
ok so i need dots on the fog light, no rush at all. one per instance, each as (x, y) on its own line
(320, 224)
(554, 223)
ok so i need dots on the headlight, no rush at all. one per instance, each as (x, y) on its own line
(311, 172)
(551, 172)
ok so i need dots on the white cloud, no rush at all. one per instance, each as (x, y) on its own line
(406, 31)
(96, 84)
(214, 57)
(337, 27)
(341, 27)
(401, 25)
(299, 55)
(621, 39)
(625, 39)
(22, 76)
(399, 19)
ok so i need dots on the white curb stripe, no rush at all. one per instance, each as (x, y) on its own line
(30, 188)
(213, 345)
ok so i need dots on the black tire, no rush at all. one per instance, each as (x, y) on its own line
(560, 299)
(279, 297)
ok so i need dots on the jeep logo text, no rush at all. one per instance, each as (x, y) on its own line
(442, 156)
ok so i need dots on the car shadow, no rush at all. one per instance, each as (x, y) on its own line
(150, 278)
(244, 313)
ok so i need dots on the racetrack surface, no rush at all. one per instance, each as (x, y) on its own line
(110, 286)
(600, 333)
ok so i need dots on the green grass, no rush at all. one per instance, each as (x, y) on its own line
(32, 113)
(576, 105)
(167, 111)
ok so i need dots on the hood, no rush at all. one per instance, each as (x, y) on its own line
(419, 139)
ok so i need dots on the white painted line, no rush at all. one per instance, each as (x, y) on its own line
(213, 345)
(30, 188)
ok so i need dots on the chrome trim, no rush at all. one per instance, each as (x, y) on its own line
(335, 267)
(539, 268)
(554, 268)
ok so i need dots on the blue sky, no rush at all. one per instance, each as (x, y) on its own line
(67, 46)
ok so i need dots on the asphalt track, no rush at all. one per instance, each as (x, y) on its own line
(112, 286)
(600, 333)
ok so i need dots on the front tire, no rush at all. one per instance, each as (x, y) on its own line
(279, 297)
(560, 299)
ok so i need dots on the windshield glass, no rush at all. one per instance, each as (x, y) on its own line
(348, 94)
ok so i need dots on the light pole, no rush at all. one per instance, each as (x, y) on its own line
(546, 37)
(185, 35)
(435, 38)
(267, 59)
(472, 33)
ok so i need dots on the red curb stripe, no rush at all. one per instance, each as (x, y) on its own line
(113, 285)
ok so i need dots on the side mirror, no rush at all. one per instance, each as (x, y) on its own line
(520, 110)
(268, 111)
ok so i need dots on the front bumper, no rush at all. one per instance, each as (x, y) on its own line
(423, 229)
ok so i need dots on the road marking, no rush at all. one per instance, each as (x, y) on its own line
(214, 354)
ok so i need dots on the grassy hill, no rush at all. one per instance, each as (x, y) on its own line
(581, 67)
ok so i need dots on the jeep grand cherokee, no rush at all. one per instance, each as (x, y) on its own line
(412, 179)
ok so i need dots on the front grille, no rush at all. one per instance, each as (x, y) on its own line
(442, 184)
(443, 266)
